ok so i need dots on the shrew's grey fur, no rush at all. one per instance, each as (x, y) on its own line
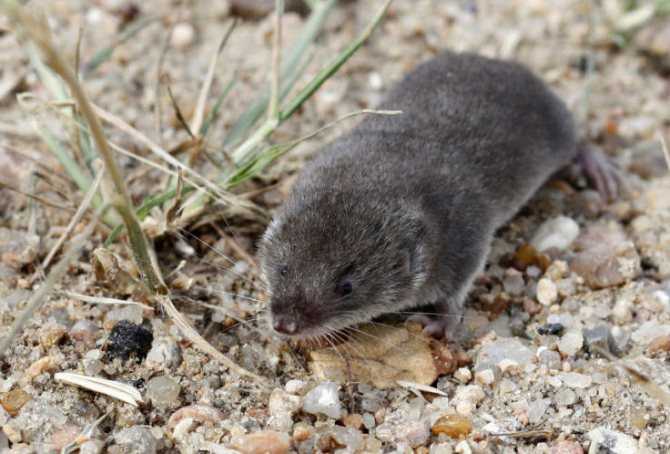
(400, 211)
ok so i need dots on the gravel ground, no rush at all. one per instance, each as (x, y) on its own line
(567, 335)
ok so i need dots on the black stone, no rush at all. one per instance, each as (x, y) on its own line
(128, 339)
(550, 328)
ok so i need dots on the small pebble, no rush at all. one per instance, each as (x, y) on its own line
(606, 258)
(453, 426)
(164, 354)
(463, 448)
(463, 375)
(510, 348)
(295, 386)
(470, 393)
(565, 397)
(550, 358)
(85, 331)
(611, 442)
(354, 421)
(557, 233)
(263, 442)
(547, 292)
(537, 410)
(183, 36)
(282, 406)
(14, 400)
(649, 331)
(136, 440)
(576, 380)
(324, 399)
(659, 344)
(566, 447)
(163, 391)
(513, 282)
(485, 377)
(571, 343)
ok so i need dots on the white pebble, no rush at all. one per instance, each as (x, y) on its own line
(183, 36)
(576, 380)
(463, 448)
(463, 375)
(571, 343)
(471, 393)
(295, 386)
(485, 377)
(324, 399)
(547, 292)
(375, 81)
(556, 233)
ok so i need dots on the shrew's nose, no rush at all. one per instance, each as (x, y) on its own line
(284, 325)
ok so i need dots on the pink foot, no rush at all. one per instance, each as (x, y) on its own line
(437, 327)
(602, 173)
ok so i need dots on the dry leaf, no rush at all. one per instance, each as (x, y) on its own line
(382, 357)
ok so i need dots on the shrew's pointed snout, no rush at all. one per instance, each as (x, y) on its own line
(284, 325)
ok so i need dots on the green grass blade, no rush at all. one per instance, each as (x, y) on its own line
(291, 72)
(214, 113)
(332, 68)
(82, 180)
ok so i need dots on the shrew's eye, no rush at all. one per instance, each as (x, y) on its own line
(344, 288)
(283, 270)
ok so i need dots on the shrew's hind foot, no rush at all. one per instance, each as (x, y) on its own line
(601, 172)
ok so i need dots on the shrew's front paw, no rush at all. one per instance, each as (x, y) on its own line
(439, 326)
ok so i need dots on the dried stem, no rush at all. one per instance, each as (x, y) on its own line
(88, 198)
(273, 109)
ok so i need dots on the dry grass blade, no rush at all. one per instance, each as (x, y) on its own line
(199, 116)
(164, 155)
(115, 389)
(666, 152)
(645, 382)
(104, 300)
(420, 387)
(273, 109)
(88, 198)
(201, 343)
(37, 198)
(39, 296)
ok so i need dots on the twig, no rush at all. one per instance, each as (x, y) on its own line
(75, 219)
(104, 300)
(38, 298)
(273, 109)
